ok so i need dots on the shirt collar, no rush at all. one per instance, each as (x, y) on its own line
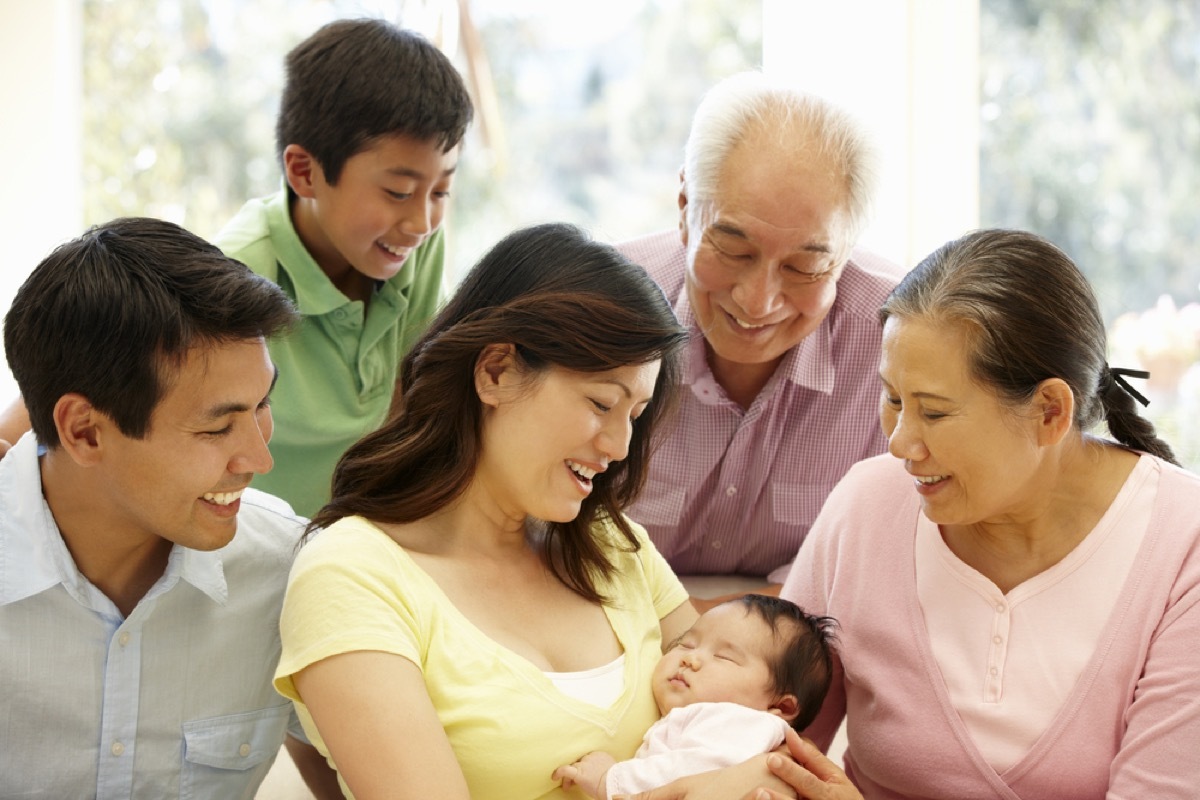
(34, 557)
(315, 294)
(808, 365)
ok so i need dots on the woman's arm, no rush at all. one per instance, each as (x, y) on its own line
(375, 715)
(676, 623)
(740, 780)
(807, 774)
(14, 421)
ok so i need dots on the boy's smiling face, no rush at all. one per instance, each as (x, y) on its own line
(389, 197)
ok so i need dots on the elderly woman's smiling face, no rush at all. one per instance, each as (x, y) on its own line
(973, 459)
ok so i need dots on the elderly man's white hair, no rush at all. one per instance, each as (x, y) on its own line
(751, 104)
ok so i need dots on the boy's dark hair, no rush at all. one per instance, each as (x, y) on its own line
(112, 314)
(355, 80)
(803, 663)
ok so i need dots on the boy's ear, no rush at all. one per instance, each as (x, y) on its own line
(787, 707)
(495, 370)
(80, 428)
(300, 169)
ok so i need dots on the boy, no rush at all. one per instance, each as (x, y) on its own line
(728, 690)
(368, 137)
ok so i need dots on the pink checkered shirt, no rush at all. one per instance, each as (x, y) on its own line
(734, 491)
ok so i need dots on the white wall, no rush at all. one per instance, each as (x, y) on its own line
(40, 91)
(909, 70)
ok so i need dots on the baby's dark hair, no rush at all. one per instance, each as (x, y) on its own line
(803, 663)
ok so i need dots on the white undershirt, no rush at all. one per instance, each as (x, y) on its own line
(600, 686)
(1010, 661)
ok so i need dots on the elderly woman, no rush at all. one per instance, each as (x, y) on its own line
(1018, 596)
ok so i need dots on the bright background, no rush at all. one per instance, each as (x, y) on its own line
(1078, 119)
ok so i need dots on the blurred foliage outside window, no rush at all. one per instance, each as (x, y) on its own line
(1090, 134)
(593, 101)
(1091, 138)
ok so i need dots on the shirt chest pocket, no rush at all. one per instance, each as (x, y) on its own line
(227, 757)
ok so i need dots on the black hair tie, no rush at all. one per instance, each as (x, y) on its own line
(1116, 374)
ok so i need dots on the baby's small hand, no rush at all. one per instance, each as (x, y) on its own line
(567, 774)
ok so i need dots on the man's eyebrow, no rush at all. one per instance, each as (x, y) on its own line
(225, 409)
(729, 229)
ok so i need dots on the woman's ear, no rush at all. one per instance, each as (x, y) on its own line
(1054, 405)
(495, 370)
(787, 707)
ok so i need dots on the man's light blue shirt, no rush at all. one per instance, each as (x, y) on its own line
(174, 700)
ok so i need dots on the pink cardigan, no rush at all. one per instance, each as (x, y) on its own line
(1129, 729)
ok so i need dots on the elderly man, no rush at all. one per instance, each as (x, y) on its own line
(783, 388)
(138, 633)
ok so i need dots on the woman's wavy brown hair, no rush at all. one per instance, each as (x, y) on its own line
(563, 300)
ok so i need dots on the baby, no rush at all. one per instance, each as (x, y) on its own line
(727, 689)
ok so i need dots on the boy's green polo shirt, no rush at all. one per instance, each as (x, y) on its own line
(337, 368)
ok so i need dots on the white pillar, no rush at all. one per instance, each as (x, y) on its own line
(909, 69)
(40, 104)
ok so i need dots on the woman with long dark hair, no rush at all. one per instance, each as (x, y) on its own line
(476, 609)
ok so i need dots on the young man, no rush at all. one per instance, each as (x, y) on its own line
(368, 137)
(783, 386)
(140, 580)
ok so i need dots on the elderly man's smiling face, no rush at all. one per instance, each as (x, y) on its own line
(764, 256)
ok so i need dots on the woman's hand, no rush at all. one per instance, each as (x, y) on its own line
(811, 774)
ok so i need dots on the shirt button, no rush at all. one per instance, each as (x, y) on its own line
(997, 639)
(244, 750)
(994, 671)
(718, 545)
(1000, 607)
(731, 491)
(123, 639)
(118, 748)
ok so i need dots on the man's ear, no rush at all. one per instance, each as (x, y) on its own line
(301, 170)
(81, 428)
(787, 707)
(495, 371)
(1054, 404)
(683, 202)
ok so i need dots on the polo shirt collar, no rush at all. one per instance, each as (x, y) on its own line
(808, 365)
(315, 294)
(34, 557)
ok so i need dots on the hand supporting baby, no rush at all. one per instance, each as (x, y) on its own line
(588, 773)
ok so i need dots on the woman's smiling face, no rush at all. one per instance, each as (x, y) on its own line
(973, 458)
(549, 435)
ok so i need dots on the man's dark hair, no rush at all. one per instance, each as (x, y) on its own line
(802, 664)
(356, 80)
(111, 316)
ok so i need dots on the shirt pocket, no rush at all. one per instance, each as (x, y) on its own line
(659, 507)
(227, 757)
(797, 504)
